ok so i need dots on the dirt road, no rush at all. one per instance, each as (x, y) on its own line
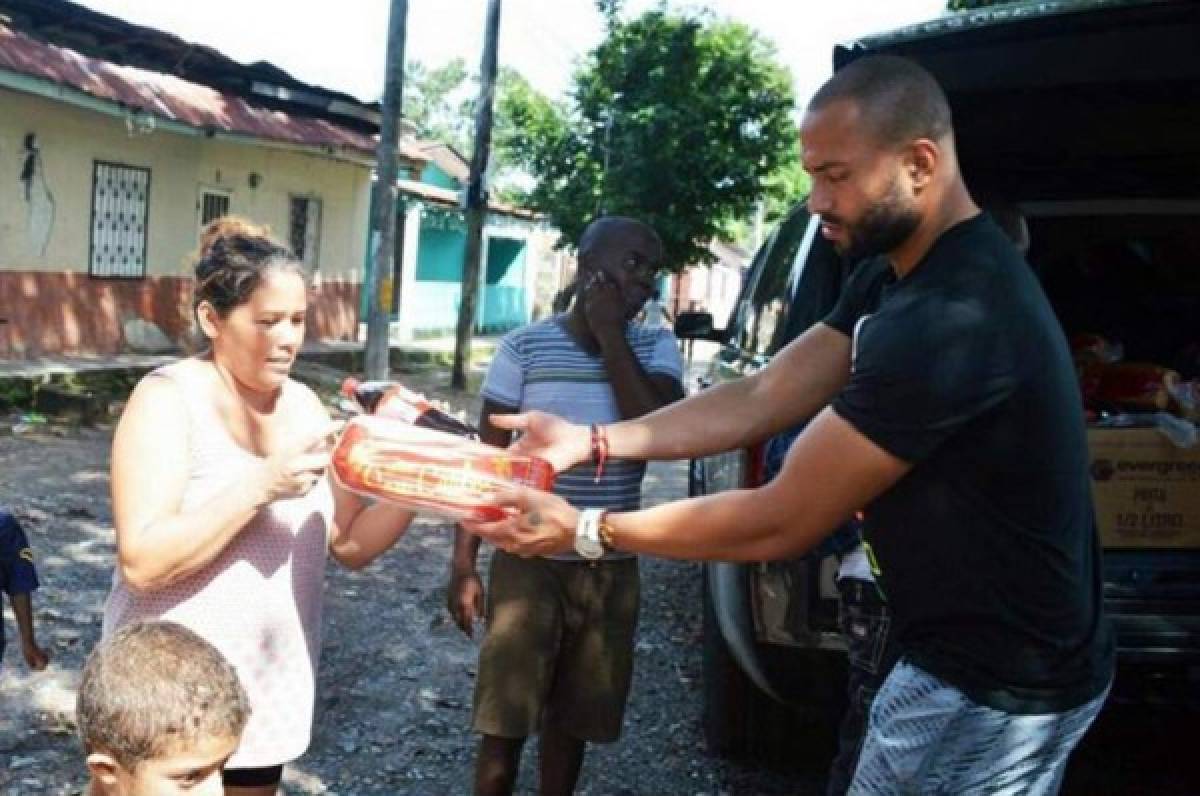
(396, 675)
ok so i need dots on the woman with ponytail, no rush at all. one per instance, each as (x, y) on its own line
(224, 514)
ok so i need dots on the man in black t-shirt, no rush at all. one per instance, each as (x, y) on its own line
(943, 401)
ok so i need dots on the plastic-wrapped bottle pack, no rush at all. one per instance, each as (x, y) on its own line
(431, 471)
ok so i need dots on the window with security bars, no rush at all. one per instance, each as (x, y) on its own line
(213, 205)
(304, 229)
(120, 203)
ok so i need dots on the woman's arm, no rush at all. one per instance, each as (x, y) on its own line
(362, 530)
(156, 544)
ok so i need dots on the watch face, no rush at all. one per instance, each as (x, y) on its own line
(589, 548)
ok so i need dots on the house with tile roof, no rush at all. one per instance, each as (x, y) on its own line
(119, 142)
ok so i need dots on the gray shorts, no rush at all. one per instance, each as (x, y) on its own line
(926, 737)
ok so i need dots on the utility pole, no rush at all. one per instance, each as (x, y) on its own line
(382, 242)
(476, 199)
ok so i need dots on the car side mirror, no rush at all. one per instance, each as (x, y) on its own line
(696, 326)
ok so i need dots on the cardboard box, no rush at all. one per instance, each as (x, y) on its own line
(1146, 490)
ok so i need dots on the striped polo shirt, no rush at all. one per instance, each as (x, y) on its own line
(540, 366)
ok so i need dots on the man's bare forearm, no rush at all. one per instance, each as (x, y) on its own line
(798, 383)
(831, 471)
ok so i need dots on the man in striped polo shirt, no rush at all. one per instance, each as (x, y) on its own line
(557, 657)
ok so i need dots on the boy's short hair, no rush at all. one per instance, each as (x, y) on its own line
(154, 688)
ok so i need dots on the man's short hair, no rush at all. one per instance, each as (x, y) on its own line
(155, 688)
(599, 230)
(899, 100)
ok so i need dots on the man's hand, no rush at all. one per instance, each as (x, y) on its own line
(549, 437)
(603, 307)
(35, 657)
(464, 598)
(543, 523)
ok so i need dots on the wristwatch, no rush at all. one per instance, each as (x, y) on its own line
(588, 543)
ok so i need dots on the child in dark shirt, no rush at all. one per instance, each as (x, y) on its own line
(18, 579)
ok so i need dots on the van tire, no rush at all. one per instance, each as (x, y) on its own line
(742, 722)
(726, 687)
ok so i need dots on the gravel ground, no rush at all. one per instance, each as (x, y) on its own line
(396, 675)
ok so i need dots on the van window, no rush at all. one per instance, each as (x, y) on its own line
(760, 322)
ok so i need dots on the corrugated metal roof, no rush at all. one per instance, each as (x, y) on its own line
(175, 99)
(449, 198)
(447, 158)
(118, 41)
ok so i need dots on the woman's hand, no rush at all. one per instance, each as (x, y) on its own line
(294, 470)
(541, 523)
(549, 437)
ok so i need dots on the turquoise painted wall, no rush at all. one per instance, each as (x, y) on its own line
(440, 254)
(432, 307)
(432, 175)
(505, 304)
(437, 291)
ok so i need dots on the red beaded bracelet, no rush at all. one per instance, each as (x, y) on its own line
(599, 449)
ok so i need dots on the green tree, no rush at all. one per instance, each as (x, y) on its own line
(610, 10)
(435, 101)
(781, 191)
(676, 119)
(440, 103)
(524, 117)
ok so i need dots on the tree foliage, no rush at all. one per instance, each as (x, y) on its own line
(610, 10)
(781, 191)
(435, 102)
(679, 120)
(440, 103)
(523, 118)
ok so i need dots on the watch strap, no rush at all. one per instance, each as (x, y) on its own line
(605, 531)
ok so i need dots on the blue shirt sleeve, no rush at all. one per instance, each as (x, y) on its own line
(505, 380)
(17, 572)
(665, 359)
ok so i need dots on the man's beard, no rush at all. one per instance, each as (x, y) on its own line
(883, 227)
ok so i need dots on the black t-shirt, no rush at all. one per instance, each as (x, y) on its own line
(988, 548)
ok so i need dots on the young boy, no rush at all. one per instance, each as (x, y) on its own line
(18, 578)
(160, 710)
